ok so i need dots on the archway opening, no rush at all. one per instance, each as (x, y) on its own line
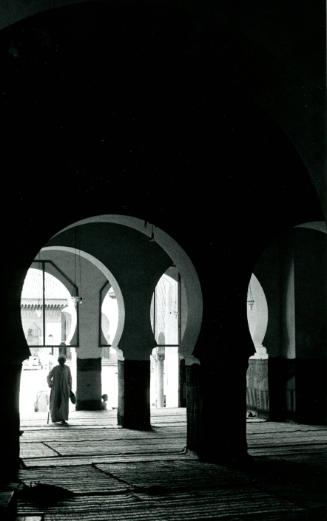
(294, 337)
(137, 300)
(166, 325)
(49, 319)
(257, 393)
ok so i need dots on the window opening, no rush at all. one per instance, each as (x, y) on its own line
(49, 315)
(108, 315)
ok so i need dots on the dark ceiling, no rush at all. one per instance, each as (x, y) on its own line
(151, 112)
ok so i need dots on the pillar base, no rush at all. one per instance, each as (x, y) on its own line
(282, 382)
(89, 405)
(257, 391)
(134, 394)
(216, 412)
(10, 428)
(311, 391)
(88, 389)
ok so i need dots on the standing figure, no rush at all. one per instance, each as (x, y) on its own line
(60, 381)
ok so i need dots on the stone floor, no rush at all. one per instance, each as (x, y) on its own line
(109, 473)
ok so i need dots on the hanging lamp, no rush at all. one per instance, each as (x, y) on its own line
(250, 299)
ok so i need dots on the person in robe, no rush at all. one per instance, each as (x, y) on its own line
(60, 382)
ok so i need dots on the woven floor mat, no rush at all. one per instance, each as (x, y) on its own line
(200, 505)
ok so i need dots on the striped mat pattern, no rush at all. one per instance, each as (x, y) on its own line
(223, 504)
(121, 475)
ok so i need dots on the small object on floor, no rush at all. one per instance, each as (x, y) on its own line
(42, 493)
(41, 403)
(104, 398)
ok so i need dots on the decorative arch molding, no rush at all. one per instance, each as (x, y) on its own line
(193, 309)
(318, 226)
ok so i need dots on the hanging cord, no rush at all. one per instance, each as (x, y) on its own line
(78, 266)
(75, 260)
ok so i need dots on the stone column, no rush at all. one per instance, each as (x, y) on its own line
(9, 389)
(182, 383)
(134, 394)
(136, 344)
(310, 268)
(281, 384)
(160, 362)
(88, 385)
(216, 411)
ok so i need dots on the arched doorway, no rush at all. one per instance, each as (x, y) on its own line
(290, 370)
(49, 320)
(93, 253)
(257, 395)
